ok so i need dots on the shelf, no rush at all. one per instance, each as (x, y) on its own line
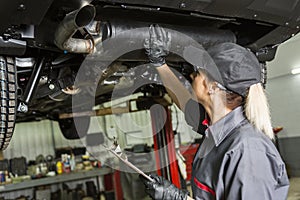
(56, 179)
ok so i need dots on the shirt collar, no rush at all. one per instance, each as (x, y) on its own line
(219, 130)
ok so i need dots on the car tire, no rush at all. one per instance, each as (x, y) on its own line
(71, 131)
(8, 98)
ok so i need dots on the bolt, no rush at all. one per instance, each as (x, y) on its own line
(297, 27)
(182, 5)
(22, 7)
(51, 86)
(255, 15)
(286, 23)
(23, 108)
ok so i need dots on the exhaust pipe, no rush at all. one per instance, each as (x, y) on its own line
(135, 32)
(70, 24)
(204, 35)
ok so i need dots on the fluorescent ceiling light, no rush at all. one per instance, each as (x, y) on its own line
(296, 71)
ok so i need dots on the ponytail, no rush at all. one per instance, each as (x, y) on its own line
(257, 110)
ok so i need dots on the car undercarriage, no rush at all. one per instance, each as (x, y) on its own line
(45, 44)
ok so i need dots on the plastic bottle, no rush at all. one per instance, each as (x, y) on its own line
(59, 167)
(73, 162)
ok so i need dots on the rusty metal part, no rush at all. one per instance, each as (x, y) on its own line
(70, 24)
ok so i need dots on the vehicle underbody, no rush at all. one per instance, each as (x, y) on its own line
(43, 45)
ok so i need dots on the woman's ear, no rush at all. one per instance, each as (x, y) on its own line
(206, 84)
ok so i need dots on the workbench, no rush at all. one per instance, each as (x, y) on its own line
(73, 176)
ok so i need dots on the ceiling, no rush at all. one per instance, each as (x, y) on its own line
(286, 58)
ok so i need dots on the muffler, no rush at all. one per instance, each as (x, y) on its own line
(69, 25)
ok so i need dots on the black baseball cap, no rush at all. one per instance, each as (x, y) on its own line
(231, 65)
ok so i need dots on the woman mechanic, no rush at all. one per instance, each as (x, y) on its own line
(237, 159)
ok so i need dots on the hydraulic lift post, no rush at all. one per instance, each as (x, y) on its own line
(164, 144)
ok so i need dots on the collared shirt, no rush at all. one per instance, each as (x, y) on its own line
(236, 161)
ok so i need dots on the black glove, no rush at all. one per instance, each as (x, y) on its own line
(158, 45)
(161, 189)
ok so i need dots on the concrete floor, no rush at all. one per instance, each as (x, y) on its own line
(294, 191)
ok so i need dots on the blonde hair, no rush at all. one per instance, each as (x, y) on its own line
(257, 110)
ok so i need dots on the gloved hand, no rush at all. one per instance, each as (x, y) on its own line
(162, 189)
(158, 45)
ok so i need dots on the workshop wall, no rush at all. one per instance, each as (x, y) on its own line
(31, 139)
(130, 128)
(59, 140)
(284, 99)
(34, 138)
(136, 128)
